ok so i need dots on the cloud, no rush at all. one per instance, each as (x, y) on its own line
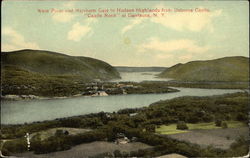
(192, 21)
(172, 45)
(16, 41)
(78, 31)
(131, 25)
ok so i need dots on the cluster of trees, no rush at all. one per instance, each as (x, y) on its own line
(17, 131)
(220, 123)
(181, 125)
(199, 109)
(16, 146)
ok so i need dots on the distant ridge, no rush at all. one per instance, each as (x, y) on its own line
(228, 69)
(139, 69)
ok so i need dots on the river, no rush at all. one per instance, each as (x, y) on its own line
(26, 111)
(139, 77)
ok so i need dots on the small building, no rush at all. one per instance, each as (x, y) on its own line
(121, 139)
(134, 139)
(129, 86)
(133, 114)
(124, 140)
(124, 91)
(120, 85)
(100, 93)
(120, 135)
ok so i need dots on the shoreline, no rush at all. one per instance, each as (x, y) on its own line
(166, 87)
(27, 97)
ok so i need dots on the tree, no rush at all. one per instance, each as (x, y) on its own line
(224, 125)
(181, 125)
(117, 153)
(59, 132)
(218, 123)
(241, 117)
(150, 128)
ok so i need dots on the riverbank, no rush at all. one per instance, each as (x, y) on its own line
(99, 89)
(120, 88)
(206, 85)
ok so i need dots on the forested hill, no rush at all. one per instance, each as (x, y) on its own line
(230, 69)
(45, 73)
(51, 63)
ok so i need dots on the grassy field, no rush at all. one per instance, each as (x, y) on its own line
(171, 129)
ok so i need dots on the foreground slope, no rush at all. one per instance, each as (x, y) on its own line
(228, 69)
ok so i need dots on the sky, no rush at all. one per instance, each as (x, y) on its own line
(164, 40)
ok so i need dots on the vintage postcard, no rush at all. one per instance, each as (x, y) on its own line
(113, 78)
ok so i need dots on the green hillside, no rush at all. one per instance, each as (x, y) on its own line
(44, 73)
(228, 69)
(51, 63)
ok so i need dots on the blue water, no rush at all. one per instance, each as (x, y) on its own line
(18, 112)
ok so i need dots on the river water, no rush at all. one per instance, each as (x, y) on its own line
(139, 77)
(18, 112)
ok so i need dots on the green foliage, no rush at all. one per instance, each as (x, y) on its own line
(239, 148)
(54, 143)
(224, 125)
(117, 153)
(17, 131)
(15, 146)
(218, 123)
(241, 116)
(203, 109)
(150, 128)
(181, 125)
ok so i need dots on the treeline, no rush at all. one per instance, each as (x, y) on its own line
(199, 109)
